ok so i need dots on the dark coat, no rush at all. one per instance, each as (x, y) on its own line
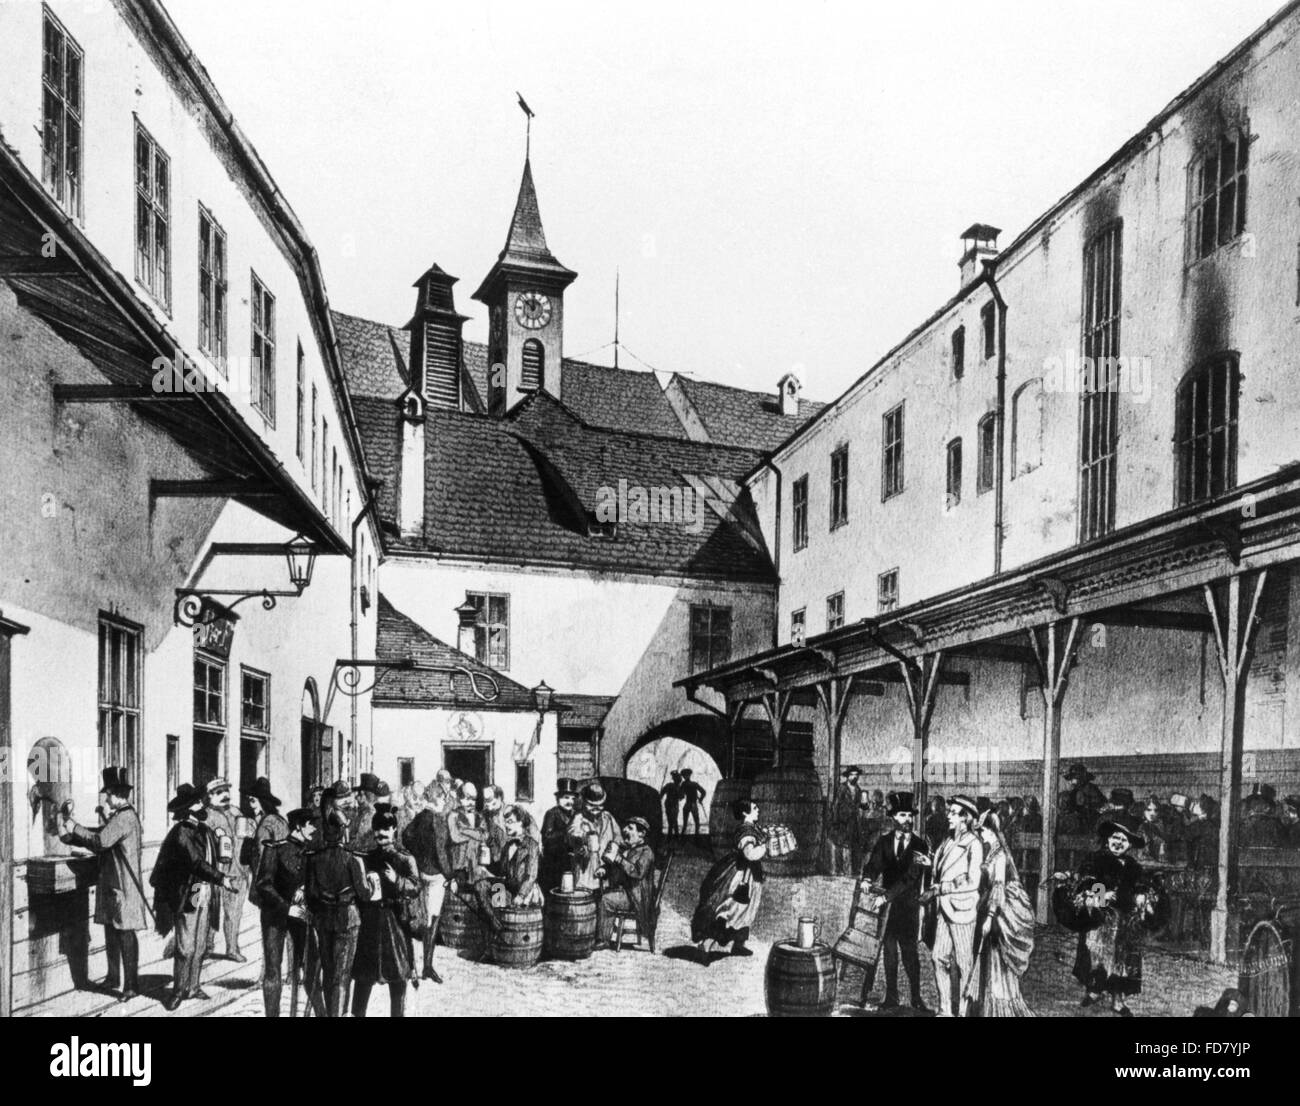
(280, 876)
(844, 814)
(333, 883)
(556, 855)
(271, 827)
(900, 876)
(427, 839)
(467, 832)
(187, 858)
(519, 871)
(384, 950)
(634, 874)
(119, 895)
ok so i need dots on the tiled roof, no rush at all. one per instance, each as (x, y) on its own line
(620, 399)
(734, 416)
(370, 363)
(402, 638)
(377, 421)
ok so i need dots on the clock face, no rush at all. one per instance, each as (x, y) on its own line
(532, 310)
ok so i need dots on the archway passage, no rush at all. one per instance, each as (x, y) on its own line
(693, 742)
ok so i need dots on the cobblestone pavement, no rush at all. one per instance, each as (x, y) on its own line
(637, 984)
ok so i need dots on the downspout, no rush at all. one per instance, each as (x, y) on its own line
(776, 554)
(999, 471)
(354, 603)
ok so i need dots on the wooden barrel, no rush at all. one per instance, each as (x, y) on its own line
(799, 983)
(1266, 972)
(518, 944)
(722, 823)
(570, 924)
(461, 928)
(792, 797)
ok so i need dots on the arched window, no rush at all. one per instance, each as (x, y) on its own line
(986, 441)
(1027, 428)
(1205, 435)
(954, 472)
(534, 374)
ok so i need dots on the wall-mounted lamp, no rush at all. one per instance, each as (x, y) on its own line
(542, 696)
(195, 606)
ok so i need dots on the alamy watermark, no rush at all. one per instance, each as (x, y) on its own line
(1072, 373)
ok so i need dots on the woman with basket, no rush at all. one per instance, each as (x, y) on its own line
(732, 890)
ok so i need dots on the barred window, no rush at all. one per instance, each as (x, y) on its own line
(121, 680)
(1099, 386)
(1206, 429)
(954, 472)
(887, 591)
(61, 94)
(891, 476)
(212, 288)
(710, 636)
(840, 486)
(152, 217)
(835, 611)
(799, 519)
(263, 368)
(1217, 195)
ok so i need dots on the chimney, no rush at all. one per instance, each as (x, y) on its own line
(436, 340)
(410, 502)
(787, 394)
(979, 244)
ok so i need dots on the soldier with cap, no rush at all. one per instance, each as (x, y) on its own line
(591, 832)
(279, 883)
(182, 878)
(556, 846)
(224, 822)
(956, 893)
(120, 905)
(334, 882)
(898, 862)
(384, 950)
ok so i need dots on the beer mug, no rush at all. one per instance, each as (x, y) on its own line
(243, 827)
(809, 930)
(567, 883)
(485, 854)
(225, 847)
(376, 892)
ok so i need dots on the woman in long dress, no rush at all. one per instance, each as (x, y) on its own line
(1005, 925)
(731, 892)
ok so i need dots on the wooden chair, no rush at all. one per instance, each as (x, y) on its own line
(621, 917)
(860, 943)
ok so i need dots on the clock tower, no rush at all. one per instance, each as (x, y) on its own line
(524, 295)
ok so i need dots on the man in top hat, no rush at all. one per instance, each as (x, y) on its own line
(334, 882)
(427, 839)
(182, 878)
(591, 832)
(224, 822)
(369, 791)
(631, 879)
(1081, 805)
(279, 883)
(271, 827)
(119, 897)
(843, 820)
(670, 795)
(898, 862)
(956, 891)
(692, 796)
(557, 850)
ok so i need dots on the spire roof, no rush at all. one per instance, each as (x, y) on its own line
(525, 251)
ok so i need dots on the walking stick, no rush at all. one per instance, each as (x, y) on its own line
(314, 979)
(294, 979)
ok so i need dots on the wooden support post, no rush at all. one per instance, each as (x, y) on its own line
(734, 711)
(1054, 657)
(777, 704)
(834, 696)
(921, 678)
(1232, 643)
(8, 781)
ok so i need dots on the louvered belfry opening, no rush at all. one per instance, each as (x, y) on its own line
(436, 340)
(534, 366)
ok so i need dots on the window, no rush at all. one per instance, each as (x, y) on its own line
(887, 591)
(1027, 428)
(209, 691)
(61, 117)
(325, 460)
(121, 678)
(710, 636)
(302, 404)
(1217, 195)
(835, 611)
(315, 427)
(798, 626)
(799, 516)
(173, 764)
(989, 326)
(986, 439)
(891, 473)
(534, 366)
(405, 771)
(840, 487)
(954, 472)
(255, 701)
(152, 217)
(958, 352)
(1206, 429)
(1099, 386)
(491, 628)
(524, 781)
(212, 289)
(263, 381)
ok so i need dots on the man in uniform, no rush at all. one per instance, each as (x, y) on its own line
(426, 838)
(956, 888)
(844, 819)
(182, 878)
(591, 832)
(692, 796)
(898, 863)
(671, 797)
(119, 897)
(556, 849)
(223, 820)
(333, 883)
(279, 884)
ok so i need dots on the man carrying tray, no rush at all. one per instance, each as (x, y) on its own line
(898, 862)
